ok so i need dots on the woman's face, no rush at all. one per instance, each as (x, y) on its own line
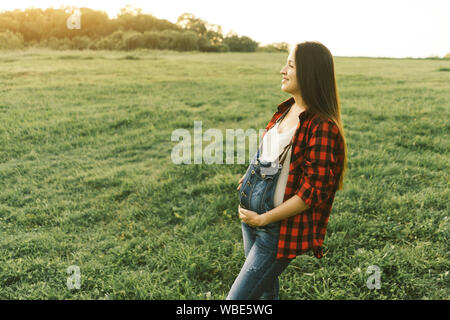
(289, 82)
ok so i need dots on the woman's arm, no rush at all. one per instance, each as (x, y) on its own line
(291, 207)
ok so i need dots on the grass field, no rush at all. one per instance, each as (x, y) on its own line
(86, 176)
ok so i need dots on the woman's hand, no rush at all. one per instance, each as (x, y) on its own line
(251, 218)
(240, 182)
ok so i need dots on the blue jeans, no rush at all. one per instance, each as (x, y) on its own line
(258, 278)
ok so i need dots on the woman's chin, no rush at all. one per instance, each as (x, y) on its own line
(283, 88)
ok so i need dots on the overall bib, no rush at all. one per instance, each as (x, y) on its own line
(258, 187)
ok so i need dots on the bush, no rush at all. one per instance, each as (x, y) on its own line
(157, 40)
(31, 44)
(150, 39)
(116, 40)
(81, 43)
(102, 44)
(241, 44)
(184, 41)
(119, 40)
(169, 39)
(56, 44)
(132, 40)
(10, 40)
(205, 45)
(93, 45)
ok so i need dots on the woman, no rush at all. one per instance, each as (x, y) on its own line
(312, 172)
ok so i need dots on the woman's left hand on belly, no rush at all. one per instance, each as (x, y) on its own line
(251, 218)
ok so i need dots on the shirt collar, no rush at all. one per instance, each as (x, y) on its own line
(289, 102)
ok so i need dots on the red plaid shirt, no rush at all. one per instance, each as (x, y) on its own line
(317, 160)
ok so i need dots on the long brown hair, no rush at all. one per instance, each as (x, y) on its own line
(318, 88)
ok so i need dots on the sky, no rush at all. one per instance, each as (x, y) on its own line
(381, 28)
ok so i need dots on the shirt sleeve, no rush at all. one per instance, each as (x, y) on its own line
(318, 180)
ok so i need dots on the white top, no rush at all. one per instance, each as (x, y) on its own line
(282, 180)
(273, 144)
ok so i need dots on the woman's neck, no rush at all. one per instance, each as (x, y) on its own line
(298, 107)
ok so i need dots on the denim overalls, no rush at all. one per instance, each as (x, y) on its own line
(260, 181)
(258, 278)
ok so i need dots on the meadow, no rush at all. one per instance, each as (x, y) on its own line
(86, 177)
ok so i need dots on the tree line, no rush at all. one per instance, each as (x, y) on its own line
(131, 29)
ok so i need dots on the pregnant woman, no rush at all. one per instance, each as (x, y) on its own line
(307, 133)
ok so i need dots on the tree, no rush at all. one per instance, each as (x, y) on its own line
(130, 10)
(133, 19)
(8, 23)
(131, 29)
(211, 36)
(190, 22)
(241, 44)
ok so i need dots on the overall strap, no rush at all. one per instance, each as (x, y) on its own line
(282, 116)
(283, 155)
(278, 120)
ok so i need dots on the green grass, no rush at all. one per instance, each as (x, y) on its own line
(86, 176)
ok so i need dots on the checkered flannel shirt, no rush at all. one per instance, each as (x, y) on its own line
(316, 164)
